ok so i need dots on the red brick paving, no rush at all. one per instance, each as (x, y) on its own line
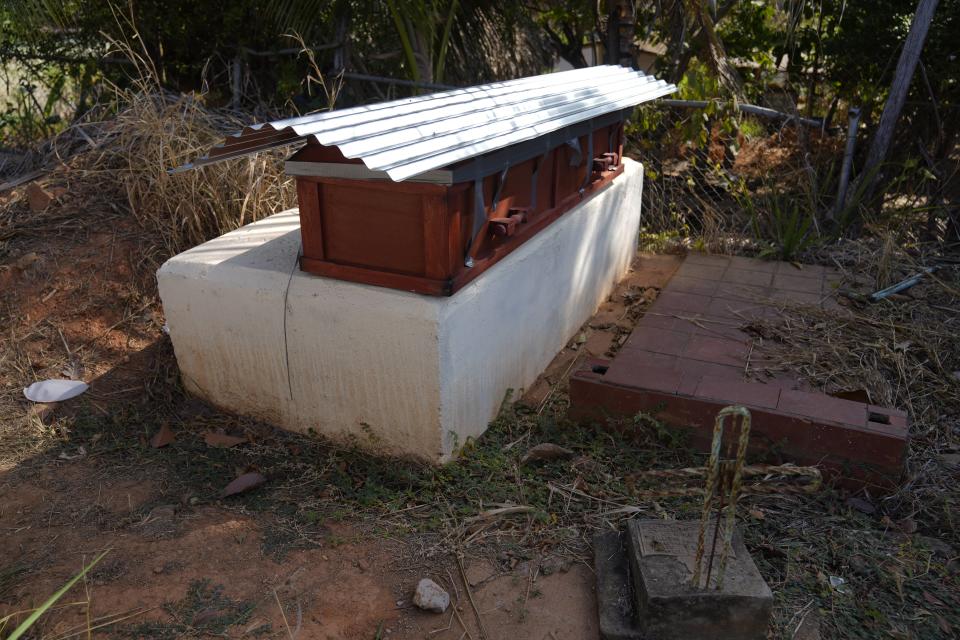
(688, 357)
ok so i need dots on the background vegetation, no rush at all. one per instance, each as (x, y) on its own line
(98, 100)
(62, 62)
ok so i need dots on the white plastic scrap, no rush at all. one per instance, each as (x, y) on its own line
(54, 390)
(838, 583)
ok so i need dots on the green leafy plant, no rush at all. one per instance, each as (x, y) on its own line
(424, 28)
(781, 220)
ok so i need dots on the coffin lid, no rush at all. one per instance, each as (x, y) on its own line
(408, 137)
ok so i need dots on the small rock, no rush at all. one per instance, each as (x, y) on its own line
(430, 596)
(861, 505)
(25, 261)
(554, 564)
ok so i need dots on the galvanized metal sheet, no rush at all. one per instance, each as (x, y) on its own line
(405, 138)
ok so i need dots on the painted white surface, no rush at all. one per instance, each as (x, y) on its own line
(394, 371)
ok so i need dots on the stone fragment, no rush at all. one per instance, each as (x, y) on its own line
(430, 596)
(546, 451)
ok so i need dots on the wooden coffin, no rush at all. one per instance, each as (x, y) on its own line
(434, 233)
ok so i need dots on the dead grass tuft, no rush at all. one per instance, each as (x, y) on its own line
(901, 352)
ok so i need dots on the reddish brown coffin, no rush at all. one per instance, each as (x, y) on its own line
(419, 235)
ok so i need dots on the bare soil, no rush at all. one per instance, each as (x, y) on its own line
(77, 304)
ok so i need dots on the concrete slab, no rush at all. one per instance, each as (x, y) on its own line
(393, 371)
(615, 598)
(669, 607)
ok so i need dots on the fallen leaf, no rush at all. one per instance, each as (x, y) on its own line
(546, 451)
(907, 525)
(163, 437)
(38, 197)
(27, 259)
(861, 505)
(222, 440)
(246, 482)
(944, 625)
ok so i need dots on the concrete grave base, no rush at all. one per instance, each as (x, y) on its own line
(644, 590)
(669, 608)
(393, 371)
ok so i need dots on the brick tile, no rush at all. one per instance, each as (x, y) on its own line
(684, 302)
(747, 276)
(706, 259)
(717, 350)
(893, 417)
(686, 284)
(633, 373)
(703, 271)
(739, 310)
(739, 392)
(785, 381)
(654, 320)
(739, 291)
(713, 327)
(807, 270)
(670, 343)
(796, 283)
(699, 368)
(753, 264)
(650, 359)
(653, 270)
(823, 407)
(797, 297)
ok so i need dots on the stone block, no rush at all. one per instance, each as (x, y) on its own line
(670, 607)
(393, 371)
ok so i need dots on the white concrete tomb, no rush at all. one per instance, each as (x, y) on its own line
(397, 372)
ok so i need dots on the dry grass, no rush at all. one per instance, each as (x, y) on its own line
(902, 352)
(153, 131)
(115, 161)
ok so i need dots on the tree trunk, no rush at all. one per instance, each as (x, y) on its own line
(906, 66)
(714, 53)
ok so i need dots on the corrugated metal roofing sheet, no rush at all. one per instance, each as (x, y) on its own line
(408, 137)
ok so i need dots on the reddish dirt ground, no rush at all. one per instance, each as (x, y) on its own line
(77, 301)
(60, 515)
